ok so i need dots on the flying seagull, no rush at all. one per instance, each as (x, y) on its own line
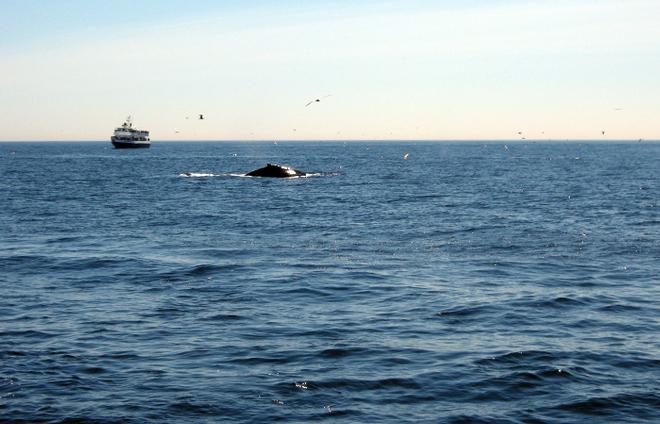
(317, 100)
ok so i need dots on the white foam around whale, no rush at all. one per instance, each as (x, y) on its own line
(207, 174)
(198, 174)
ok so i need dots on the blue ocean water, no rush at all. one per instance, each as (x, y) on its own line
(473, 282)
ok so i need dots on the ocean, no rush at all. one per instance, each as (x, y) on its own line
(474, 282)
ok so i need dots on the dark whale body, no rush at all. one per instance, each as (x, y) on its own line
(275, 171)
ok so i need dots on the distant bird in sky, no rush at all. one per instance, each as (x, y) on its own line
(602, 132)
(201, 117)
(317, 100)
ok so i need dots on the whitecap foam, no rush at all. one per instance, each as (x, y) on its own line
(231, 174)
(197, 174)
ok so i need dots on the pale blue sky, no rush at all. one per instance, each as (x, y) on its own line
(72, 70)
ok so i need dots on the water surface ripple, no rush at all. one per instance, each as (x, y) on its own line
(469, 283)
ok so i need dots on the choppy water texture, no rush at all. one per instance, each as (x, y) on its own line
(472, 282)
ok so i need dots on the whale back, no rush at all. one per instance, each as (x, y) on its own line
(275, 171)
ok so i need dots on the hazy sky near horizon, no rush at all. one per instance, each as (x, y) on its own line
(417, 69)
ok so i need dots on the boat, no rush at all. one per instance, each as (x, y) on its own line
(127, 137)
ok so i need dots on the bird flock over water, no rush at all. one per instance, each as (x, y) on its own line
(520, 134)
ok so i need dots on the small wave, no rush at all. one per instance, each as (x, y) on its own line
(202, 409)
(520, 356)
(27, 333)
(511, 383)
(64, 239)
(642, 364)
(640, 404)
(620, 308)
(649, 223)
(92, 263)
(357, 385)
(466, 313)
(306, 291)
(201, 270)
(93, 370)
(340, 353)
(223, 317)
(262, 360)
(329, 412)
(122, 356)
(560, 302)
(472, 419)
(12, 353)
(204, 269)
(555, 373)
(23, 263)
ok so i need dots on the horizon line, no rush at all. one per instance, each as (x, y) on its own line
(358, 140)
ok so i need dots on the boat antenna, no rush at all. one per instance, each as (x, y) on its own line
(128, 121)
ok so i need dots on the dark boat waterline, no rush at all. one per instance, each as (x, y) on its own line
(120, 145)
